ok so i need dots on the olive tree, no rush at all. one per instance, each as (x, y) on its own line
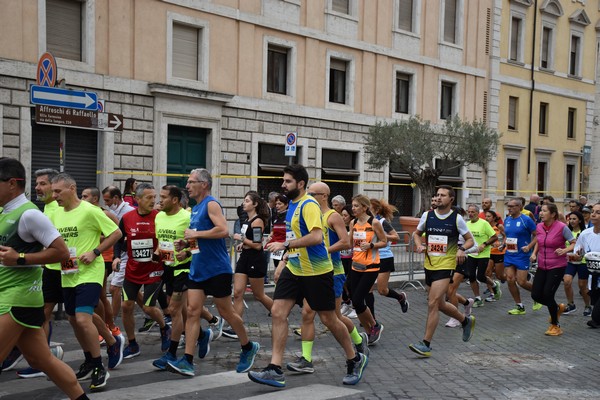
(413, 145)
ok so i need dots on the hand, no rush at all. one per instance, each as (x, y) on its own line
(239, 247)
(532, 258)
(180, 244)
(481, 247)
(237, 236)
(182, 255)
(460, 257)
(525, 249)
(8, 256)
(275, 246)
(561, 252)
(190, 234)
(116, 264)
(87, 257)
(420, 248)
(277, 273)
(364, 246)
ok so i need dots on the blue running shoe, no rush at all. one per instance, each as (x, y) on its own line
(204, 343)
(115, 352)
(165, 338)
(469, 328)
(268, 376)
(355, 370)
(247, 358)
(131, 351)
(161, 363)
(30, 373)
(12, 360)
(421, 349)
(218, 328)
(181, 366)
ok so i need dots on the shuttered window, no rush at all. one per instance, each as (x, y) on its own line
(450, 21)
(405, 15)
(447, 99)
(277, 69)
(185, 51)
(337, 81)
(64, 28)
(341, 6)
(402, 93)
(513, 116)
(515, 39)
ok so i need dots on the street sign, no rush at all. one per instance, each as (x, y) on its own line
(290, 144)
(46, 70)
(80, 119)
(57, 97)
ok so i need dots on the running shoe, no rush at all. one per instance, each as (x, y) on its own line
(131, 351)
(363, 347)
(12, 360)
(469, 307)
(181, 344)
(536, 306)
(355, 370)
(497, 290)
(30, 373)
(85, 371)
(345, 309)
(218, 328)
(487, 292)
(592, 324)
(421, 349)
(452, 323)
(181, 366)
(375, 334)
(115, 331)
(570, 308)
(554, 330)
(57, 351)
(352, 314)
(168, 320)
(268, 376)
(148, 324)
(490, 299)
(468, 328)
(404, 305)
(99, 378)
(517, 310)
(165, 338)
(115, 352)
(204, 343)
(587, 311)
(230, 333)
(247, 358)
(301, 365)
(297, 332)
(478, 302)
(101, 340)
(161, 363)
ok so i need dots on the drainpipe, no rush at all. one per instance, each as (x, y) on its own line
(532, 89)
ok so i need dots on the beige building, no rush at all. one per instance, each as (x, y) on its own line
(219, 84)
(543, 87)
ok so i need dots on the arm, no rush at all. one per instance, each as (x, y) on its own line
(57, 251)
(469, 242)
(219, 231)
(417, 239)
(257, 223)
(337, 223)
(531, 245)
(382, 240)
(109, 241)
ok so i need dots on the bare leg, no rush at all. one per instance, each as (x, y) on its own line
(279, 313)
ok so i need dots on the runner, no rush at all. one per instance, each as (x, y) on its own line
(442, 226)
(308, 274)
(210, 274)
(576, 225)
(346, 256)
(496, 263)
(26, 242)
(81, 225)
(520, 240)
(138, 229)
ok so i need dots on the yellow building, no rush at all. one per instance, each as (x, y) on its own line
(543, 97)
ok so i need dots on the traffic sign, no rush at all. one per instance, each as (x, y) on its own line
(290, 144)
(80, 119)
(46, 70)
(57, 97)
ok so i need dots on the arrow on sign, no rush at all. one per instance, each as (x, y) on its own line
(58, 97)
(114, 122)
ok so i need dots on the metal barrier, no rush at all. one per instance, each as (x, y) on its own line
(407, 262)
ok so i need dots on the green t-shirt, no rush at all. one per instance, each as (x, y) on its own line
(81, 229)
(168, 229)
(481, 231)
(49, 210)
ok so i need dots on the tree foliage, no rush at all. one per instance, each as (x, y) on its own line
(413, 145)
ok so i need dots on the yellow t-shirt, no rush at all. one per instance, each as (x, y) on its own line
(168, 229)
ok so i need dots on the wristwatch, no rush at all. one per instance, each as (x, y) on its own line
(21, 259)
(97, 252)
(461, 248)
(286, 244)
(372, 245)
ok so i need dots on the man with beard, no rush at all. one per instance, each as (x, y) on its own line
(307, 275)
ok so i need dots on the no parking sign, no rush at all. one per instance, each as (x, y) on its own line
(291, 138)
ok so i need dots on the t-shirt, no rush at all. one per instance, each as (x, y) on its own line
(588, 240)
(442, 233)
(140, 232)
(331, 237)
(81, 228)
(302, 217)
(168, 229)
(481, 231)
(517, 233)
(49, 210)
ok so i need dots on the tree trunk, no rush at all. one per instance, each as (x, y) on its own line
(427, 188)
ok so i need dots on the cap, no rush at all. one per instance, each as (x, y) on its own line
(586, 209)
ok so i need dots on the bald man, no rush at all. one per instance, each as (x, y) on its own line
(486, 205)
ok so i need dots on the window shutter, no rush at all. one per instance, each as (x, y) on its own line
(185, 51)
(63, 28)
(341, 6)
(450, 21)
(405, 15)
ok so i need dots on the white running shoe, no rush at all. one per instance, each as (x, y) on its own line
(452, 323)
(352, 314)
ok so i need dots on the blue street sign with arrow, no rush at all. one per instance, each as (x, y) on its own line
(57, 97)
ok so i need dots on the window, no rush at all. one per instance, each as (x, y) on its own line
(542, 174)
(447, 100)
(574, 56)
(402, 93)
(405, 15)
(277, 60)
(338, 165)
(543, 118)
(571, 123)
(450, 15)
(546, 48)
(511, 177)
(271, 161)
(513, 105)
(185, 51)
(515, 39)
(570, 181)
(64, 28)
(337, 81)
(341, 6)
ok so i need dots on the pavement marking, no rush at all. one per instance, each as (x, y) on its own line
(158, 390)
(313, 392)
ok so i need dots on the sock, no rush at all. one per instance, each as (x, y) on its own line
(189, 358)
(307, 346)
(521, 305)
(392, 293)
(83, 397)
(466, 303)
(87, 355)
(214, 320)
(132, 342)
(173, 347)
(277, 368)
(356, 358)
(355, 336)
(370, 302)
(478, 298)
(426, 343)
(247, 346)
(97, 361)
(465, 321)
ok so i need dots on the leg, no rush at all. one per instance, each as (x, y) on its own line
(239, 288)
(437, 302)
(568, 283)
(258, 290)
(383, 280)
(116, 293)
(511, 279)
(339, 331)
(234, 319)
(128, 319)
(279, 313)
(522, 279)
(196, 299)
(361, 285)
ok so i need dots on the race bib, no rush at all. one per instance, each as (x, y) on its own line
(167, 252)
(277, 255)
(437, 245)
(358, 237)
(346, 253)
(511, 245)
(243, 230)
(70, 266)
(141, 250)
(289, 236)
